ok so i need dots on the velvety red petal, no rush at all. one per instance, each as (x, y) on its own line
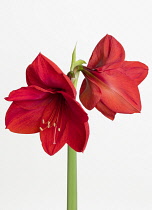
(89, 94)
(51, 142)
(77, 125)
(108, 50)
(74, 109)
(46, 74)
(119, 92)
(105, 110)
(77, 135)
(53, 124)
(19, 120)
(28, 93)
(137, 71)
(63, 121)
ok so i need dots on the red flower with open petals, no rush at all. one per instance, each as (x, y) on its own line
(111, 84)
(48, 106)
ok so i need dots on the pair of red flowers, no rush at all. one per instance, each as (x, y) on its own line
(47, 105)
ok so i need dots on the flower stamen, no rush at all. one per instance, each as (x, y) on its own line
(54, 140)
(41, 129)
(49, 124)
(53, 121)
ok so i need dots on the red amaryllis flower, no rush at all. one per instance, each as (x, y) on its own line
(111, 84)
(48, 106)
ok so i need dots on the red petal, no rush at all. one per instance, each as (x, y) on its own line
(108, 50)
(53, 119)
(28, 93)
(78, 136)
(69, 119)
(119, 92)
(77, 126)
(137, 71)
(89, 94)
(46, 74)
(105, 110)
(75, 110)
(48, 137)
(21, 120)
(47, 144)
(25, 113)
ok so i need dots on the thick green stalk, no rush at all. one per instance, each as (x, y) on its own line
(72, 173)
(72, 155)
(72, 180)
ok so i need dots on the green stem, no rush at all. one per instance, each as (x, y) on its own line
(72, 180)
(72, 155)
(72, 173)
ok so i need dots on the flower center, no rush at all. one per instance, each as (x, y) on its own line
(53, 110)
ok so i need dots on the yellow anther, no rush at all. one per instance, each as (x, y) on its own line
(48, 124)
(41, 129)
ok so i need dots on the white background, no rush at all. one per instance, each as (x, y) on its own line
(115, 171)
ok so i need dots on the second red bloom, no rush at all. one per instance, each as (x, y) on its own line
(111, 84)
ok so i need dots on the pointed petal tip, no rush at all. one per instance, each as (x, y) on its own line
(110, 117)
(108, 50)
(6, 98)
(40, 55)
(107, 35)
(52, 149)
